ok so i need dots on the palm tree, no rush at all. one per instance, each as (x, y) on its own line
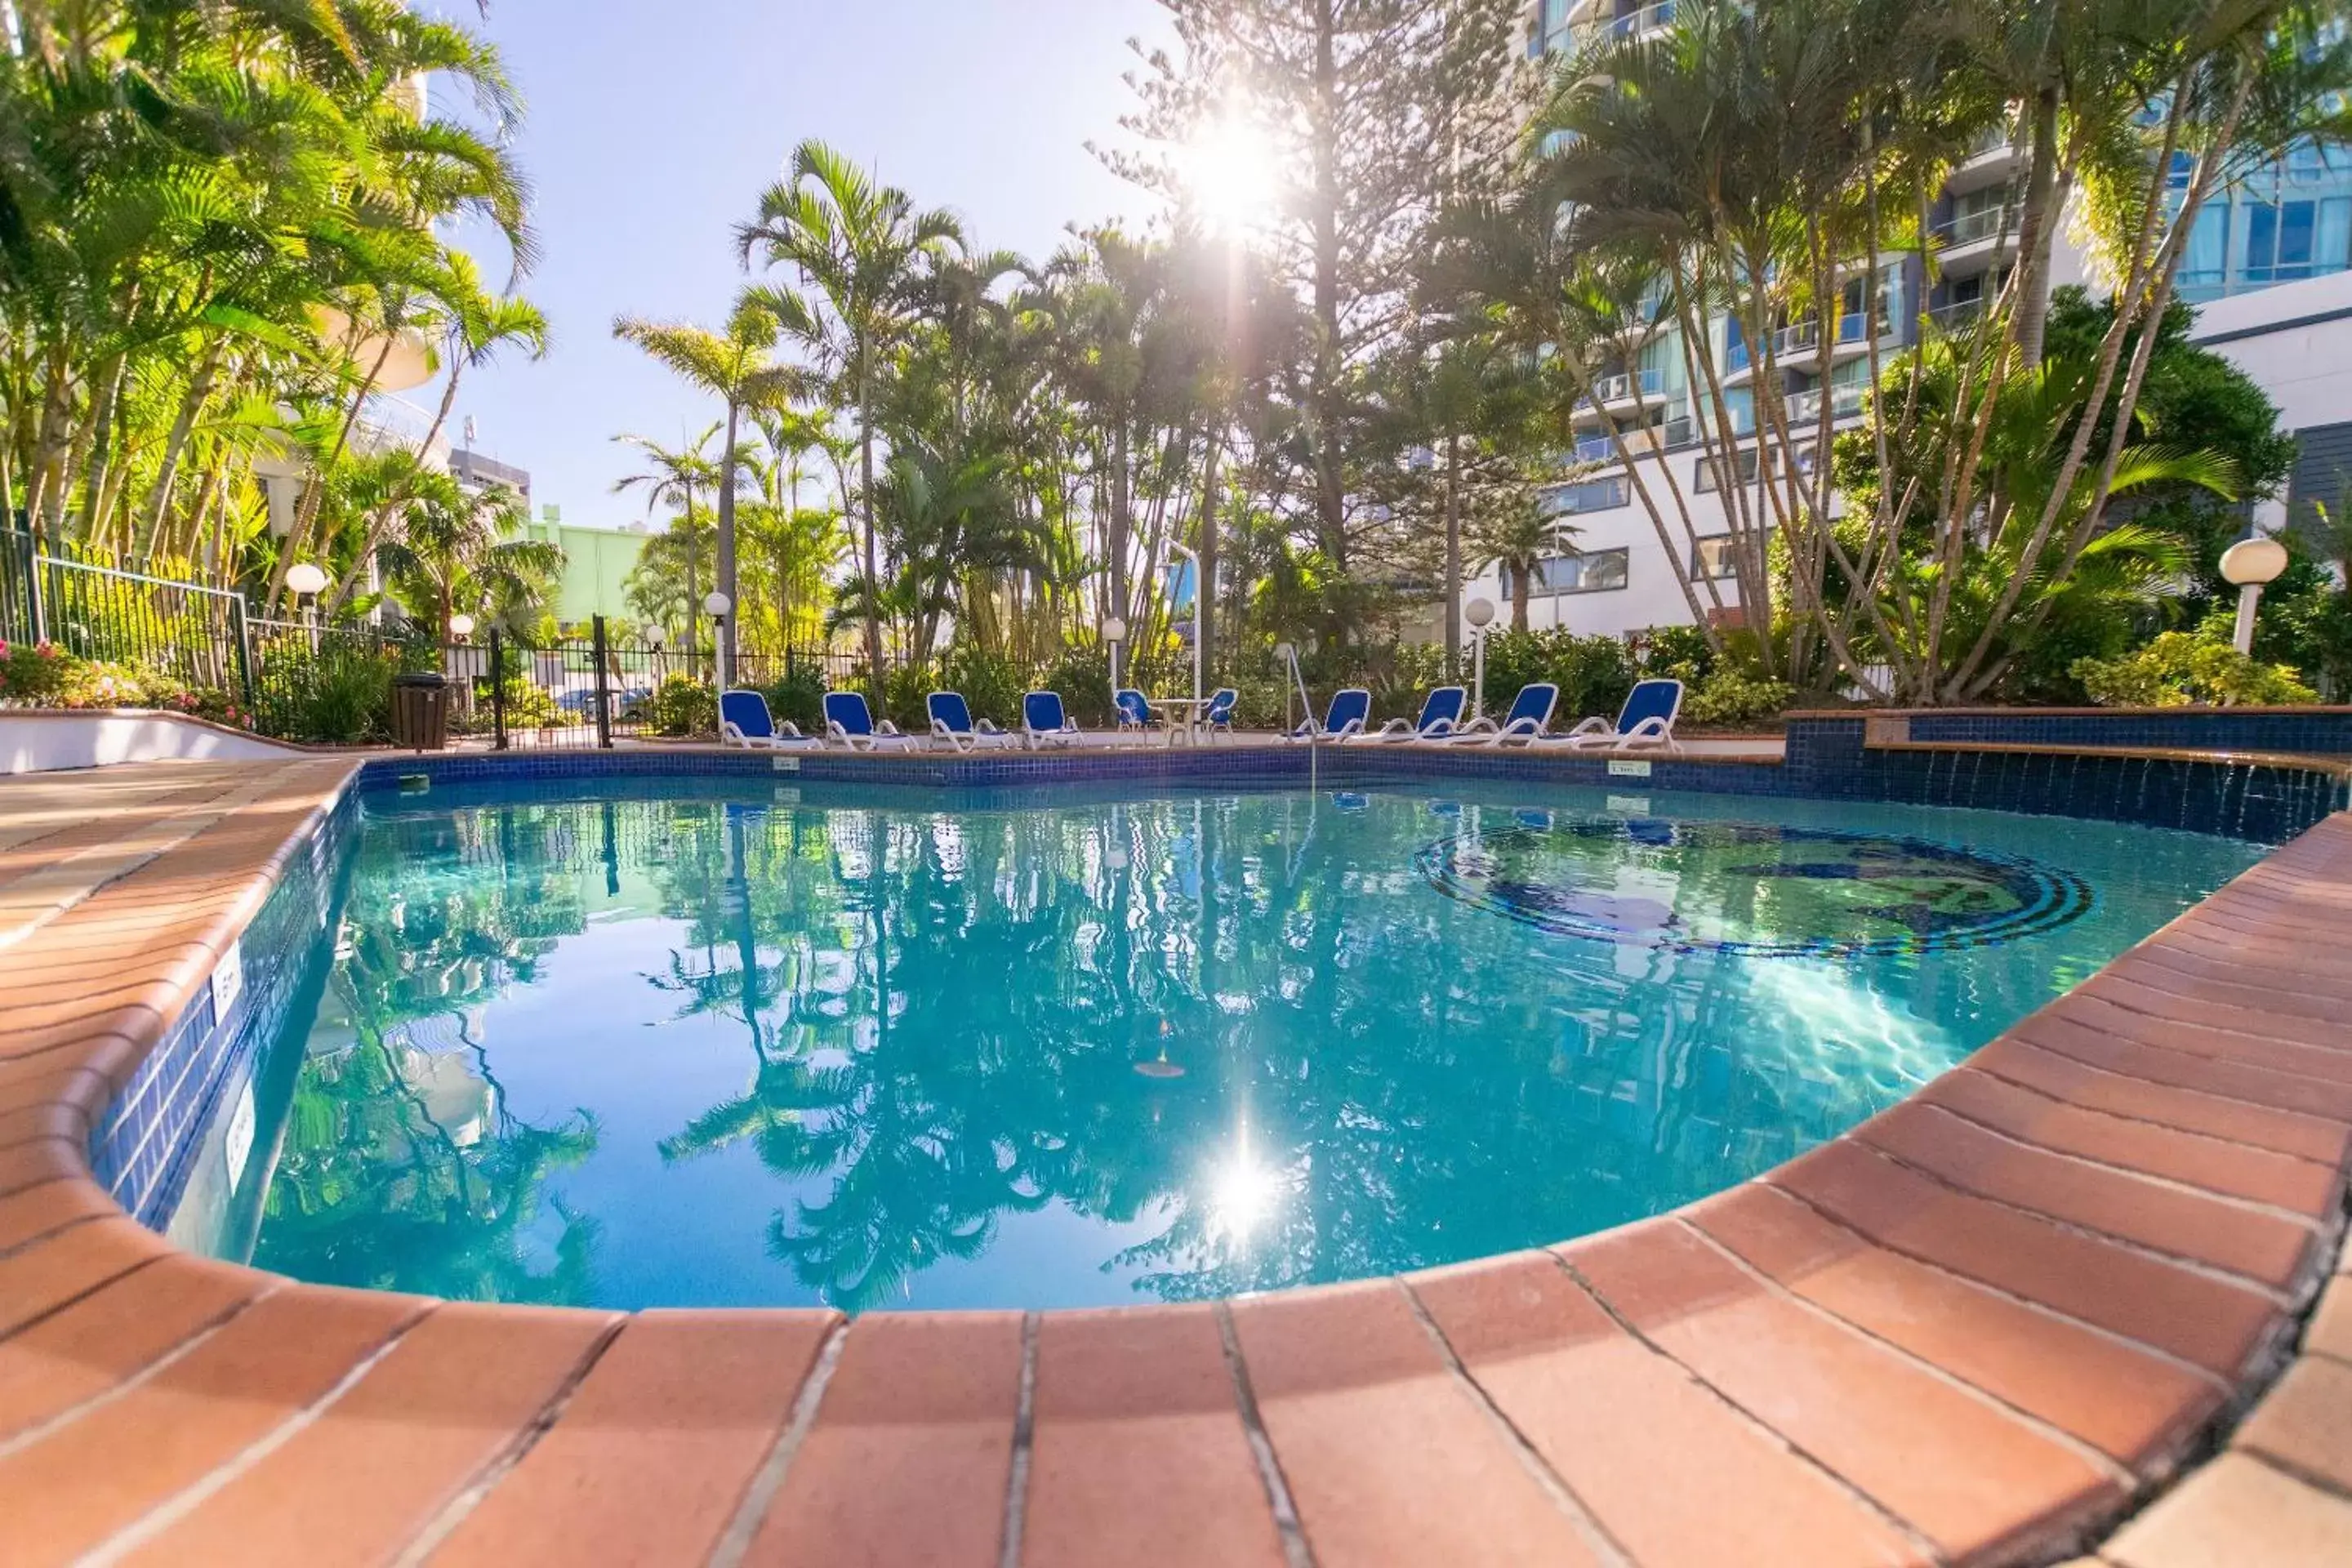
(672, 476)
(454, 554)
(737, 368)
(1516, 541)
(476, 326)
(861, 249)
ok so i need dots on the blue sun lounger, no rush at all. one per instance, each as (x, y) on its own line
(1044, 723)
(952, 725)
(1440, 714)
(744, 720)
(1529, 716)
(850, 722)
(1349, 710)
(1647, 719)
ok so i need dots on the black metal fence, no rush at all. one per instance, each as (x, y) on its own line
(304, 680)
(194, 633)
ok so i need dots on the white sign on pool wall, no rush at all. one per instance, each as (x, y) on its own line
(239, 1147)
(1628, 768)
(228, 981)
(785, 764)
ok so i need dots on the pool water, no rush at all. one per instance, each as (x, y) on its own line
(695, 1044)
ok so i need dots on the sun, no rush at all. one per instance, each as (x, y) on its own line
(1232, 173)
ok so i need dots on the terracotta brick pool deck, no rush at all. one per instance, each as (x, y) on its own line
(2039, 1309)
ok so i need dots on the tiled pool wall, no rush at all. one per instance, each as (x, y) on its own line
(1826, 759)
(2324, 731)
(143, 1146)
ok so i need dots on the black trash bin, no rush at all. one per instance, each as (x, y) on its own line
(420, 712)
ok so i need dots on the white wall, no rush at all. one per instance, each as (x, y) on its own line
(2294, 340)
(44, 742)
(1653, 595)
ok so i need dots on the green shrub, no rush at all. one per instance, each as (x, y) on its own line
(528, 705)
(1082, 675)
(1681, 652)
(903, 690)
(992, 684)
(339, 698)
(1731, 697)
(798, 696)
(682, 705)
(34, 674)
(2179, 668)
(1593, 673)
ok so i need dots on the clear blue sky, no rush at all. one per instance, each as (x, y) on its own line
(653, 127)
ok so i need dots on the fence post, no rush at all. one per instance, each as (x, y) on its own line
(604, 690)
(33, 591)
(497, 692)
(244, 629)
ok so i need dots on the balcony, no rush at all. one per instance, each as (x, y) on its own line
(1623, 392)
(1639, 443)
(1845, 403)
(1959, 316)
(1632, 24)
(1966, 240)
(1990, 159)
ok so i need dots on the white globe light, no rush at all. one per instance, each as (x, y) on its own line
(656, 636)
(307, 578)
(461, 625)
(1285, 652)
(717, 603)
(1114, 630)
(2254, 562)
(1479, 612)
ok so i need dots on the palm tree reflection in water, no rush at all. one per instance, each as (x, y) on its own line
(1242, 1029)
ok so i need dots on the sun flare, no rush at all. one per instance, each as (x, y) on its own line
(1232, 175)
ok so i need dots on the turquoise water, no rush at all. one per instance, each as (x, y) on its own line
(883, 1047)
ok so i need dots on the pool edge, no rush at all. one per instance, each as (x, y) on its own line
(1326, 1389)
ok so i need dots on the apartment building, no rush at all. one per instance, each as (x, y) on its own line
(2267, 267)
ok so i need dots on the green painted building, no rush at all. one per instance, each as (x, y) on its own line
(596, 565)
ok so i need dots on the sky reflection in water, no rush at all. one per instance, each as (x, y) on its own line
(884, 1048)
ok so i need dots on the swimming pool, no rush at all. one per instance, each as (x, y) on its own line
(700, 1042)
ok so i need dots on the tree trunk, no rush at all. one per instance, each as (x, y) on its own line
(45, 479)
(1204, 598)
(97, 450)
(726, 627)
(866, 514)
(315, 494)
(175, 444)
(693, 593)
(1454, 557)
(1522, 577)
(1330, 485)
(2035, 229)
(1121, 498)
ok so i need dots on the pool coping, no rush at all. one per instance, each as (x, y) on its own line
(1981, 1327)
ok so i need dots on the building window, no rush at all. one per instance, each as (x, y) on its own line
(1713, 558)
(1706, 476)
(1602, 494)
(1587, 572)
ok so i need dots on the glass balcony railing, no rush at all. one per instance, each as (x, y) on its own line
(1967, 228)
(1956, 316)
(1625, 384)
(1805, 407)
(1633, 24)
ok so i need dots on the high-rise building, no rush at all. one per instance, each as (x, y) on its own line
(2267, 265)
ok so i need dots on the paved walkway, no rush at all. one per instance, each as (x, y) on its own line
(1980, 1328)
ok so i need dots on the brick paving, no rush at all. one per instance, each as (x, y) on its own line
(2041, 1309)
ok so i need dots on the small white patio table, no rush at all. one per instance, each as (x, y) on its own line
(1185, 714)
